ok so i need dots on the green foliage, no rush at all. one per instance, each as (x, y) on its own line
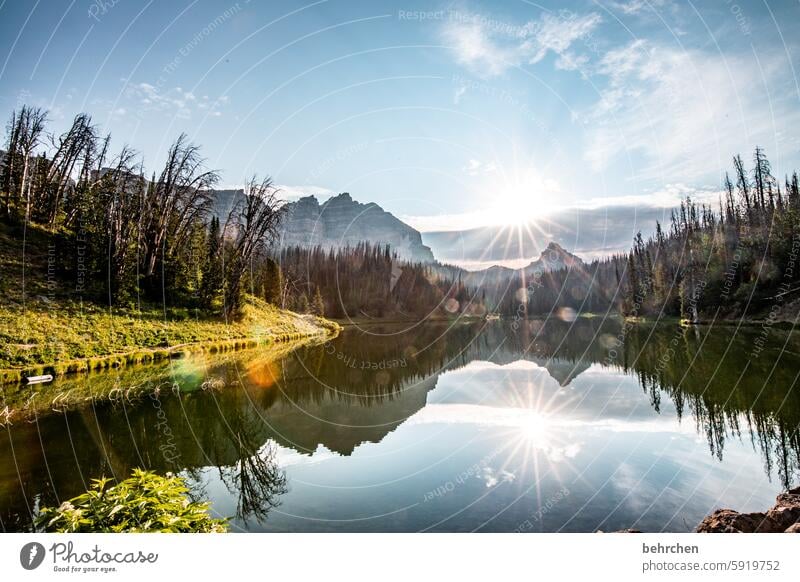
(144, 502)
(211, 285)
(273, 282)
(318, 305)
(303, 305)
(741, 258)
(368, 280)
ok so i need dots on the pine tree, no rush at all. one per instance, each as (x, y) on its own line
(318, 305)
(302, 304)
(273, 286)
(211, 284)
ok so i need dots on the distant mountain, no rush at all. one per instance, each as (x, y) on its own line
(341, 221)
(338, 222)
(591, 232)
(553, 258)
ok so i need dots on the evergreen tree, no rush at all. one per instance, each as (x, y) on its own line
(302, 304)
(273, 285)
(212, 276)
(318, 305)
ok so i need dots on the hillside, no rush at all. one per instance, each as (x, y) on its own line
(46, 327)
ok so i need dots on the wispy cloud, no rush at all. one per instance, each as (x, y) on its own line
(666, 197)
(175, 101)
(489, 48)
(686, 111)
(670, 196)
(478, 168)
(293, 193)
(638, 6)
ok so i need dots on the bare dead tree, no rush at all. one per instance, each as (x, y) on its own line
(25, 130)
(122, 190)
(174, 202)
(252, 225)
(70, 147)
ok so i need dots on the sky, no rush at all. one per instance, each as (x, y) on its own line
(450, 115)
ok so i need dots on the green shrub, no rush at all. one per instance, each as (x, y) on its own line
(145, 502)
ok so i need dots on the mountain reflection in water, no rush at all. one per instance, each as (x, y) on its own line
(523, 426)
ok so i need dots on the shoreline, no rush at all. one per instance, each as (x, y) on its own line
(146, 356)
(103, 341)
(22, 402)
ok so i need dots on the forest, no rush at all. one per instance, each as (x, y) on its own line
(369, 281)
(123, 237)
(739, 259)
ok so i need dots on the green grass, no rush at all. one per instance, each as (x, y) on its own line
(194, 372)
(61, 337)
(46, 329)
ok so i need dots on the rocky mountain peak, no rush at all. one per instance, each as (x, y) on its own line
(555, 257)
(343, 198)
(341, 221)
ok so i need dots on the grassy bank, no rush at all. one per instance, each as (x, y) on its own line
(62, 337)
(197, 370)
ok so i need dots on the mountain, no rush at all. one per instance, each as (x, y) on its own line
(591, 232)
(341, 221)
(337, 222)
(553, 258)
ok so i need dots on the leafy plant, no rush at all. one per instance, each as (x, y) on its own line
(144, 502)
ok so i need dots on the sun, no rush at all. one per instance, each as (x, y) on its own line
(522, 196)
(534, 426)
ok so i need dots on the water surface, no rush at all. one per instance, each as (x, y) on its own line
(489, 426)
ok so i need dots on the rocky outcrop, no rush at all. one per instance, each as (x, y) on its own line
(784, 516)
(553, 258)
(341, 221)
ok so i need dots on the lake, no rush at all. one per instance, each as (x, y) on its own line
(523, 425)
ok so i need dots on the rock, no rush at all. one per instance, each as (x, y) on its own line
(784, 516)
(338, 222)
(553, 258)
(730, 521)
(786, 511)
(341, 222)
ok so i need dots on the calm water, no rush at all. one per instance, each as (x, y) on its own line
(494, 426)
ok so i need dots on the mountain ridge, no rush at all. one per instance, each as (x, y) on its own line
(342, 221)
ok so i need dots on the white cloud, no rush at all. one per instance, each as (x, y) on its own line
(292, 193)
(638, 6)
(459, 93)
(557, 33)
(489, 49)
(478, 168)
(670, 196)
(446, 222)
(475, 50)
(175, 101)
(686, 111)
(568, 61)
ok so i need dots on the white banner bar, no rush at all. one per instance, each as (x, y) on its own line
(355, 557)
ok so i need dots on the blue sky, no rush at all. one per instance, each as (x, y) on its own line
(450, 115)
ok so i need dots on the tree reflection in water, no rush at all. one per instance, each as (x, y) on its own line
(365, 384)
